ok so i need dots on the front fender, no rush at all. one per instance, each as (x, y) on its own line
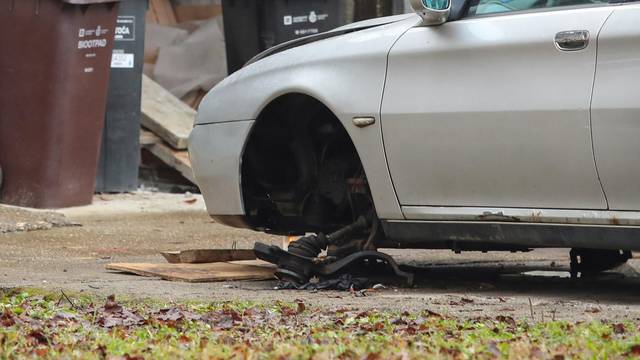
(346, 73)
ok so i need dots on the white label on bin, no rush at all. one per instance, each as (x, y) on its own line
(92, 44)
(122, 61)
(97, 32)
(126, 28)
(313, 17)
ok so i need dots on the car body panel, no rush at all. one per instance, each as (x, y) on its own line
(345, 73)
(488, 112)
(471, 172)
(511, 236)
(551, 216)
(361, 25)
(616, 108)
(214, 152)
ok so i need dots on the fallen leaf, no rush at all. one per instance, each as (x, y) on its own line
(301, 307)
(7, 319)
(433, 313)
(618, 328)
(190, 201)
(41, 352)
(172, 314)
(287, 311)
(184, 339)
(133, 357)
(111, 305)
(226, 322)
(37, 337)
(373, 356)
(110, 322)
(60, 316)
(634, 350)
(507, 320)
(362, 315)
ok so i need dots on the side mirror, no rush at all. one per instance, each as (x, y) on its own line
(432, 12)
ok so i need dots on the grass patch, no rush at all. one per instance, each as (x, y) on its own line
(53, 325)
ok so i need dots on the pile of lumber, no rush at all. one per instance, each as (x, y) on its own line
(167, 119)
(166, 123)
(202, 265)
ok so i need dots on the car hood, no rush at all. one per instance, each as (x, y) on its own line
(361, 25)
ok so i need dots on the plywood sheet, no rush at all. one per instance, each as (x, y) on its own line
(198, 256)
(197, 273)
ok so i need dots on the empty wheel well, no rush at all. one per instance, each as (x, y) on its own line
(300, 170)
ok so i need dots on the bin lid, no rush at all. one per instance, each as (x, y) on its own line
(88, 2)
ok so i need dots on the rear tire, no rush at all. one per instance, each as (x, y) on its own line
(591, 262)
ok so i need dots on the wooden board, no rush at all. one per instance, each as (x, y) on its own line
(148, 138)
(194, 98)
(189, 12)
(166, 115)
(177, 159)
(197, 273)
(161, 12)
(199, 256)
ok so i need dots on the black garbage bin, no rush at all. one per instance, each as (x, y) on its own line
(120, 150)
(251, 26)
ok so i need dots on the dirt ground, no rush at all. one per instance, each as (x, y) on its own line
(135, 228)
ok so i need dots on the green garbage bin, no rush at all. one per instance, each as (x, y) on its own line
(54, 72)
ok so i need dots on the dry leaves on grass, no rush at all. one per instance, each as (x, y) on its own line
(41, 327)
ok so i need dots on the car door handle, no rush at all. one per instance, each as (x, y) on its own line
(572, 40)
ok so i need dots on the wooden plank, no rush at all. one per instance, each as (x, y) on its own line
(191, 12)
(177, 159)
(200, 256)
(166, 115)
(148, 138)
(197, 273)
(194, 98)
(151, 16)
(162, 12)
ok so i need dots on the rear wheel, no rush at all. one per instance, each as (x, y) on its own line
(590, 262)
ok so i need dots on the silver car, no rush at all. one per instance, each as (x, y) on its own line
(471, 125)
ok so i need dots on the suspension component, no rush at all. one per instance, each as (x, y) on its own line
(301, 261)
(312, 245)
(299, 269)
